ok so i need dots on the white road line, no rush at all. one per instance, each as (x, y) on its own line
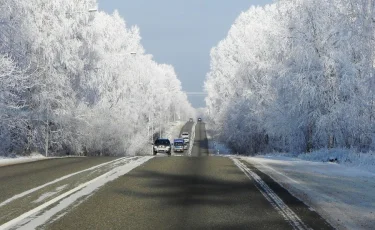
(109, 176)
(57, 180)
(192, 138)
(272, 197)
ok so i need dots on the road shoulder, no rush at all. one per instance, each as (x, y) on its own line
(306, 214)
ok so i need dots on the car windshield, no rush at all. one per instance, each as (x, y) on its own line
(179, 144)
(162, 142)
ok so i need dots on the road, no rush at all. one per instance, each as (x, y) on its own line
(200, 147)
(18, 178)
(200, 142)
(198, 192)
(187, 128)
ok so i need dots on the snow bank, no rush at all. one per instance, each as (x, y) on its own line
(347, 157)
(14, 159)
(338, 183)
(343, 195)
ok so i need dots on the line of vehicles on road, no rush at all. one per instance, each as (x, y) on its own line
(163, 145)
(181, 144)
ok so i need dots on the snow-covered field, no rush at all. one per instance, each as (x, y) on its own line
(344, 195)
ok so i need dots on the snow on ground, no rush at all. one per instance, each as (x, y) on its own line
(21, 159)
(343, 191)
(345, 196)
(347, 157)
(88, 171)
(49, 194)
(61, 204)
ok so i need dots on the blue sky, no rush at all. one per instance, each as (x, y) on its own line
(182, 32)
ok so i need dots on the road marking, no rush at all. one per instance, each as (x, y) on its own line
(49, 194)
(192, 138)
(57, 180)
(111, 175)
(272, 197)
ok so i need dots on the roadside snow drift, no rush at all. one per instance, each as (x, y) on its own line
(344, 196)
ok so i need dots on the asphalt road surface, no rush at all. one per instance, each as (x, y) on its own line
(187, 128)
(200, 192)
(200, 147)
(178, 192)
(21, 177)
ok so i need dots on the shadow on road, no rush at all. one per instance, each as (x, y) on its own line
(186, 190)
(202, 194)
(200, 148)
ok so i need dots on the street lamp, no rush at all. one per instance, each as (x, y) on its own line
(93, 10)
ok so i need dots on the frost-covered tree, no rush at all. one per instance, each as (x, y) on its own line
(87, 84)
(295, 76)
(14, 86)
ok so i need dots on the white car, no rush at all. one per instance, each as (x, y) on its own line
(185, 136)
(162, 146)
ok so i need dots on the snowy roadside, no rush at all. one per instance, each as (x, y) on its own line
(343, 195)
(346, 157)
(342, 192)
(6, 161)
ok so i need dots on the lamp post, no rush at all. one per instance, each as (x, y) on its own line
(93, 10)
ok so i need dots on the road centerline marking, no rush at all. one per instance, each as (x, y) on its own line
(192, 139)
(289, 215)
